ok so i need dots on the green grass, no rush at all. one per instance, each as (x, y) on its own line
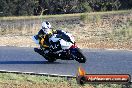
(33, 78)
(26, 79)
(37, 17)
(63, 15)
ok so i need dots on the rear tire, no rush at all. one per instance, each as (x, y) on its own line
(49, 59)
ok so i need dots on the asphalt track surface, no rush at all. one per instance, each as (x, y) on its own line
(99, 61)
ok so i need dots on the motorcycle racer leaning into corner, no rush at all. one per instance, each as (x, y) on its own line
(42, 38)
(57, 44)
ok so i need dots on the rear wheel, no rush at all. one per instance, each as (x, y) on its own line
(50, 59)
(47, 57)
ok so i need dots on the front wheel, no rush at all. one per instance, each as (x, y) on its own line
(81, 60)
(80, 57)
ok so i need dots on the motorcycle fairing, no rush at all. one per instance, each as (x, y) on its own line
(35, 39)
(64, 44)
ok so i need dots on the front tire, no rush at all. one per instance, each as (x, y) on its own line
(80, 57)
(81, 60)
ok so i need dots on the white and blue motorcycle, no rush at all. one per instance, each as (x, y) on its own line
(62, 46)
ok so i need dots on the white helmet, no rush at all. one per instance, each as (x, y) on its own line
(46, 25)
